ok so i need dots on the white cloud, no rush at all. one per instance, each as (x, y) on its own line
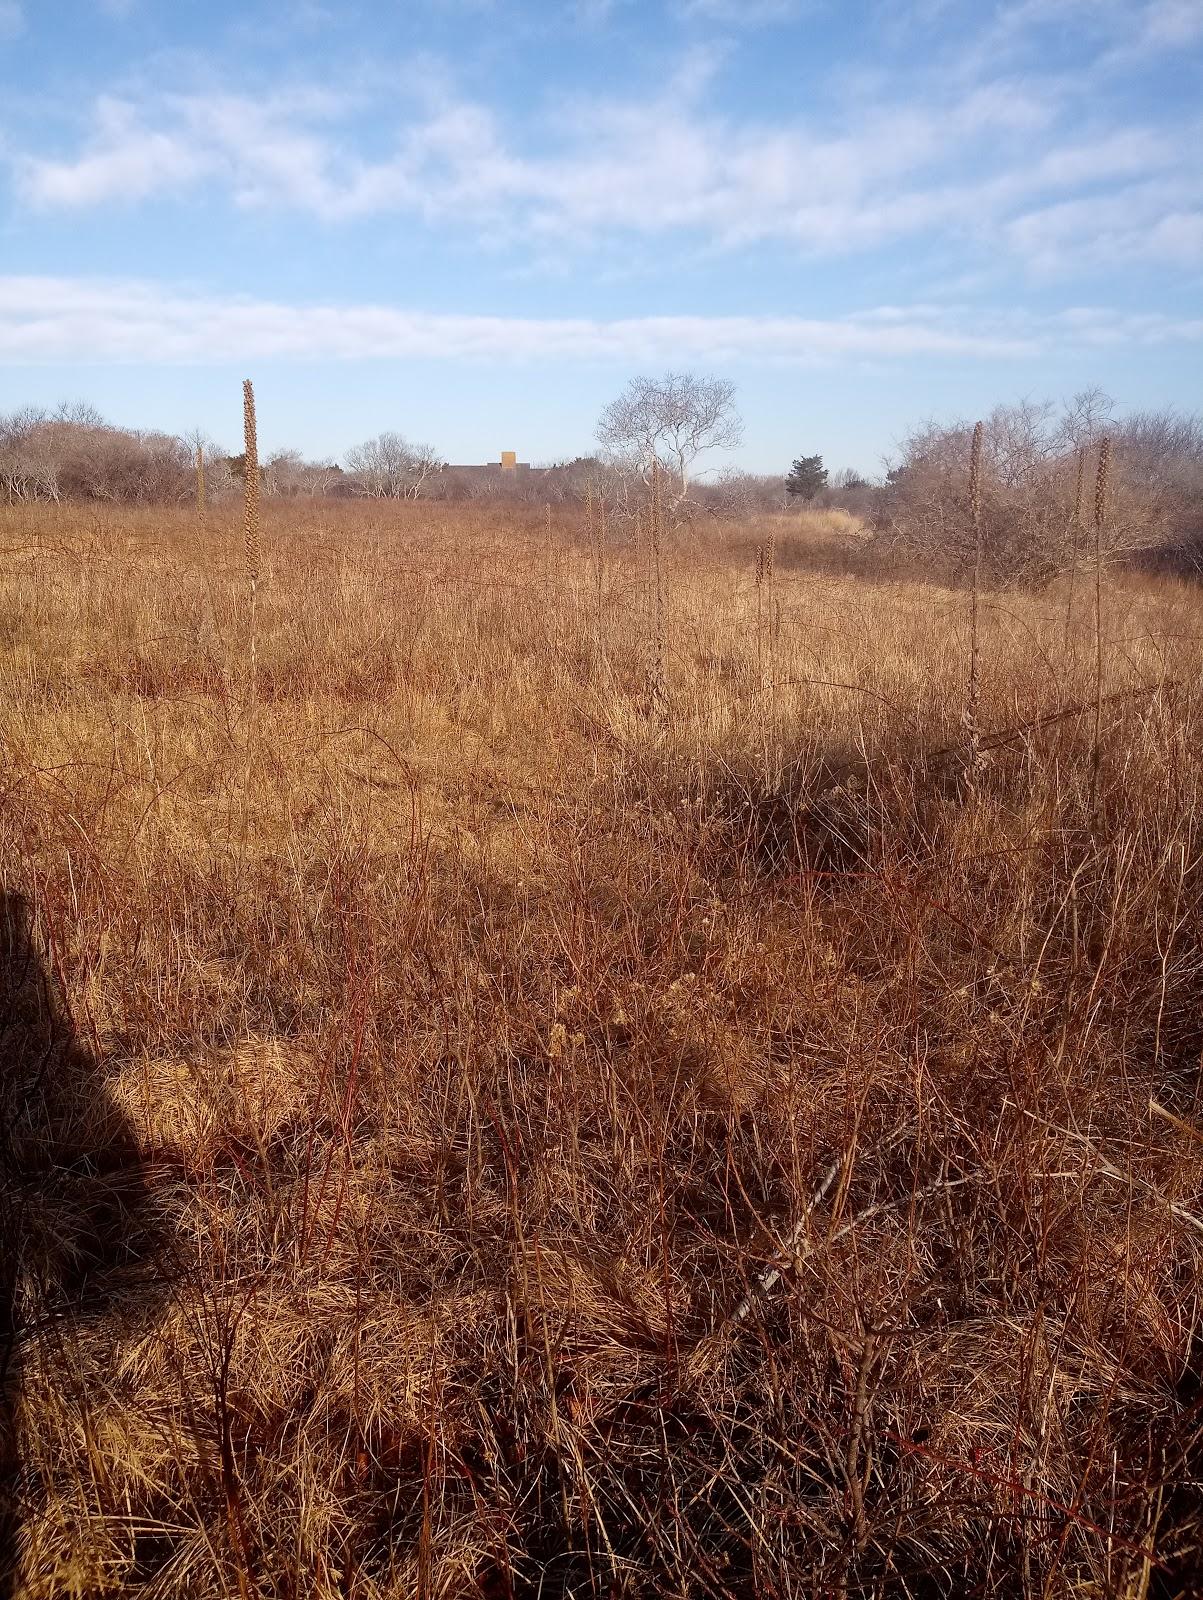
(612, 167)
(72, 319)
(1157, 221)
(268, 150)
(12, 19)
(47, 319)
(982, 158)
(1096, 44)
(125, 160)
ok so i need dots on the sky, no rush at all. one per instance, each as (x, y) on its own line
(472, 221)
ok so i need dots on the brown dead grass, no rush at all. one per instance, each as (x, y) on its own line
(487, 1038)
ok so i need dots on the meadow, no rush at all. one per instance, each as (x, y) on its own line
(618, 1106)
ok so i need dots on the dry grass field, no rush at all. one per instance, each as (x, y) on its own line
(475, 1128)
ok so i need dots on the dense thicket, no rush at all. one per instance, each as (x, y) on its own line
(1037, 510)
(73, 454)
(1037, 486)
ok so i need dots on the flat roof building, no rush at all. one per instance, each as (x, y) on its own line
(509, 463)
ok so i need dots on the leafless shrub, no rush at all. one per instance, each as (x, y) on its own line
(72, 454)
(672, 420)
(735, 493)
(571, 482)
(287, 475)
(125, 468)
(389, 467)
(1159, 454)
(29, 461)
(1028, 486)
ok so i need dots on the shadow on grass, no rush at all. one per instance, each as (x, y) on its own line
(74, 1227)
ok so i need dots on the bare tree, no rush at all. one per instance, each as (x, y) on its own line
(1160, 456)
(78, 414)
(288, 476)
(283, 473)
(74, 454)
(673, 420)
(1029, 513)
(390, 468)
(220, 482)
(734, 493)
(29, 464)
(1086, 419)
(124, 467)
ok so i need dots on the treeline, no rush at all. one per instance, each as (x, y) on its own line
(73, 454)
(1032, 521)
(1036, 515)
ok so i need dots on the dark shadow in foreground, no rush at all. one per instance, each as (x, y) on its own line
(73, 1200)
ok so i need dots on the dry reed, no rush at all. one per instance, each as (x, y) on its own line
(658, 680)
(973, 728)
(1076, 525)
(1101, 482)
(250, 517)
(594, 1163)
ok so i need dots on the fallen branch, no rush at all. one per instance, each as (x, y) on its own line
(996, 741)
(789, 1256)
(788, 1252)
(1109, 1170)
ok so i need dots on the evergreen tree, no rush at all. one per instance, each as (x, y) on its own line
(806, 477)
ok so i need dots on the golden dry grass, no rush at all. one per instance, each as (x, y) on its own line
(592, 1150)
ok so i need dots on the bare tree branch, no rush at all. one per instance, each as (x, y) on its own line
(673, 420)
(390, 468)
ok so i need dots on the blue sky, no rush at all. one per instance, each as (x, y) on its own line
(473, 220)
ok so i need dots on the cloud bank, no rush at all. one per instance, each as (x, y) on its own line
(991, 159)
(57, 319)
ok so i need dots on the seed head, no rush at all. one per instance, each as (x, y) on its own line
(1101, 482)
(975, 474)
(251, 481)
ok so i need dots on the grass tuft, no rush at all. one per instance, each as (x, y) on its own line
(577, 1152)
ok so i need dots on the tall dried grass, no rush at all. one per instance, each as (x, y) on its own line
(595, 1155)
(1100, 520)
(250, 516)
(973, 704)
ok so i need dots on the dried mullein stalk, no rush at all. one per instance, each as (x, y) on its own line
(973, 727)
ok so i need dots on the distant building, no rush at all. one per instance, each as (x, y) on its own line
(500, 470)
